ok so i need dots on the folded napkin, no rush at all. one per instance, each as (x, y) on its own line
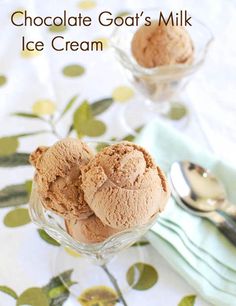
(192, 245)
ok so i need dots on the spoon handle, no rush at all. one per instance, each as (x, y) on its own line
(230, 210)
(227, 228)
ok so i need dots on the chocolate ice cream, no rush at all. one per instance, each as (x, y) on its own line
(90, 230)
(98, 196)
(159, 45)
(58, 177)
(123, 186)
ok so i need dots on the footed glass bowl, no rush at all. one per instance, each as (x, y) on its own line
(90, 262)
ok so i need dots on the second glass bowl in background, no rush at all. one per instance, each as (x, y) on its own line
(162, 84)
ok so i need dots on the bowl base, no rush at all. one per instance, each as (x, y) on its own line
(175, 112)
(90, 282)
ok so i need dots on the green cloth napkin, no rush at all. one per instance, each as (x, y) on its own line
(192, 245)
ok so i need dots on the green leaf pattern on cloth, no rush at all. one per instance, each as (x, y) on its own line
(17, 217)
(57, 28)
(8, 145)
(68, 106)
(82, 114)
(28, 186)
(177, 111)
(14, 195)
(14, 160)
(141, 276)
(92, 128)
(52, 294)
(85, 123)
(8, 291)
(188, 301)
(3, 80)
(44, 107)
(73, 71)
(27, 115)
(100, 106)
(140, 243)
(33, 297)
(98, 295)
(56, 292)
(47, 238)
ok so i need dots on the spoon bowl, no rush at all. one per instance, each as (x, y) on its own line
(200, 193)
(196, 186)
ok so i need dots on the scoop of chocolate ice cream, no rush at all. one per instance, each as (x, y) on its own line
(123, 186)
(90, 230)
(160, 44)
(58, 177)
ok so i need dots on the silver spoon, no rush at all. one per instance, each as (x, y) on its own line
(200, 193)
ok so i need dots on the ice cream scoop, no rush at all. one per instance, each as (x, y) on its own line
(90, 230)
(160, 44)
(58, 177)
(123, 186)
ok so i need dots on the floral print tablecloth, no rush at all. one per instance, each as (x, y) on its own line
(43, 97)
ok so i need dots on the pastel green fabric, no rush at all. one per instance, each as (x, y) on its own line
(192, 245)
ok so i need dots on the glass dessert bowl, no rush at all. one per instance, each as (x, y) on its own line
(90, 262)
(163, 83)
(95, 254)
